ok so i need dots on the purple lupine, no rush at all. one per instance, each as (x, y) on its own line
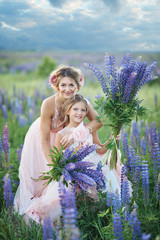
(29, 102)
(68, 153)
(136, 225)
(7, 191)
(47, 229)
(117, 226)
(84, 152)
(156, 160)
(31, 115)
(22, 120)
(116, 202)
(68, 204)
(6, 143)
(99, 76)
(98, 178)
(83, 180)
(1, 153)
(148, 138)
(143, 146)
(135, 134)
(12, 106)
(4, 110)
(19, 152)
(84, 165)
(145, 181)
(21, 110)
(158, 188)
(125, 192)
(125, 197)
(128, 87)
(67, 175)
(147, 75)
(154, 135)
(145, 236)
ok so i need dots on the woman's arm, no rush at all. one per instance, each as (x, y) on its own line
(45, 125)
(58, 139)
(94, 124)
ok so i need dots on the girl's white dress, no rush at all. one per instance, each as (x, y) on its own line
(33, 162)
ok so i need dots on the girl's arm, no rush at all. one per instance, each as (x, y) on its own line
(94, 124)
(96, 140)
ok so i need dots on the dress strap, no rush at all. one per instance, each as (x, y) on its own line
(56, 114)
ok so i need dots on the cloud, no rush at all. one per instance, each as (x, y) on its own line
(4, 25)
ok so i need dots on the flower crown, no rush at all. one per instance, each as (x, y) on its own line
(53, 80)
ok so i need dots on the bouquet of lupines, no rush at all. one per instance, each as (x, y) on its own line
(120, 105)
(68, 166)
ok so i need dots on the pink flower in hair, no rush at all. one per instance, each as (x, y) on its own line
(53, 79)
(81, 82)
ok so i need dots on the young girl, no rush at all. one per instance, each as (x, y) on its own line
(40, 138)
(74, 112)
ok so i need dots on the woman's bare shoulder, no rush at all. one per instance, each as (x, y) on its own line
(48, 104)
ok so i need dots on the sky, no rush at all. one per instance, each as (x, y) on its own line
(80, 25)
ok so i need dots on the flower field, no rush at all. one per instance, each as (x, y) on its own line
(22, 90)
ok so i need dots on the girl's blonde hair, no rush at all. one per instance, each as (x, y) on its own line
(69, 103)
(65, 71)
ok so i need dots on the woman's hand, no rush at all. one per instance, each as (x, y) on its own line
(66, 141)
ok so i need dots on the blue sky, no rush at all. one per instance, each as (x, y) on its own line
(84, 25)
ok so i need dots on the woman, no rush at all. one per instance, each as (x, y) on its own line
(40, 138)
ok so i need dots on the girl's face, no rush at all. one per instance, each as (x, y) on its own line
(67, 87)
(77, 112)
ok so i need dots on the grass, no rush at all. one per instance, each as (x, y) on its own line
(93, 219)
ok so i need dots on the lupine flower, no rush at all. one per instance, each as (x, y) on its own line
(145, 236)
(154, 137)
(148, 138)
(156, 160)
(31, 115)
(117, 226)
(145, 181)
(8, 194)
(120, 87)
(12, 106)
(136, 225)
(4, 110)
(135, 134)
(158, 188)
(110, 194)
(6, 143)
(19, 151)
(47, 229)
(68, 204)
(1, 153)
(143, 146)
(116, 202)
(125, 197)
(22, 120)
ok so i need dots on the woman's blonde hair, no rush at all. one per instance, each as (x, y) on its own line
(69, 103)
(65, 71)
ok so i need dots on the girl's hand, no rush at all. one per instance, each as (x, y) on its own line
(118, 137)
(66, 141)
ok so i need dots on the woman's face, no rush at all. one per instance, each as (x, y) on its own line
(77, 113)
(67, 87)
